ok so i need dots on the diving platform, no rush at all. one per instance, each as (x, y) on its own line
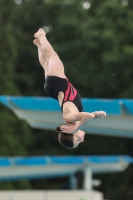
(44, 113)
(41, 167)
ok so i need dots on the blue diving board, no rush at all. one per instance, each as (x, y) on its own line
(44, 113)
(61, 160)
(111, 106)
(39, 167)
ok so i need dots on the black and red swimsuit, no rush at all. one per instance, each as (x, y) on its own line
(53, 85)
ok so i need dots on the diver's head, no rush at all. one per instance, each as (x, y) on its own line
(70, 141)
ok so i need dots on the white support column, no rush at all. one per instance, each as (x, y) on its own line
(88, 182)
(73, 182)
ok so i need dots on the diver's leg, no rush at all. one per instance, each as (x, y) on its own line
(55, 65)
(42, 57)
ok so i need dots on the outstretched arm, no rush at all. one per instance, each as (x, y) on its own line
(81, 120)
(89, 116)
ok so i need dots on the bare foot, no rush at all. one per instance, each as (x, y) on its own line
(36, 42)
(39, 32)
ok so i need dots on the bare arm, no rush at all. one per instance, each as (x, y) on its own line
(82, 119)
(70, 118)
(85, 119)
(89, 116)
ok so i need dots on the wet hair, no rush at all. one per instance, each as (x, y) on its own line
(65, 139)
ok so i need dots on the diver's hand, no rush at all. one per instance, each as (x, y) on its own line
(68, 128)
(99, 114)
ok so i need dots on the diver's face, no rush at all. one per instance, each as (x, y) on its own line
(78, 137)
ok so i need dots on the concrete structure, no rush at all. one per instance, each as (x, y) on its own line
(18, 168)
(44, 113)
(51, 195)
(39, 167)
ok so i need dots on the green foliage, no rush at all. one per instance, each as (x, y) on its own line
(15, 135)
